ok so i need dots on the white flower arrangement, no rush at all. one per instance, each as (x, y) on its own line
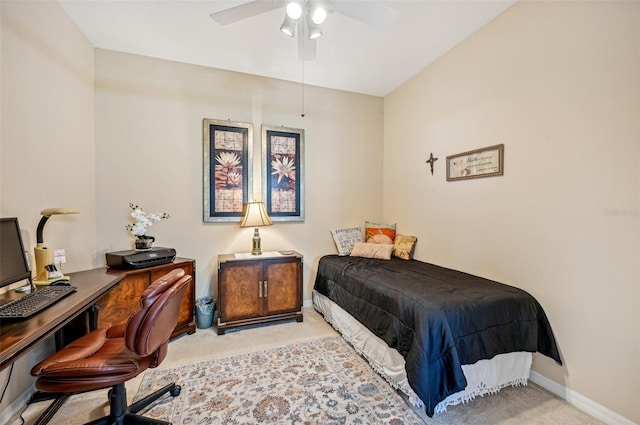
(143, 220)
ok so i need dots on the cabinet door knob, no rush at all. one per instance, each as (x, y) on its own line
(265, 288)
(260, 289)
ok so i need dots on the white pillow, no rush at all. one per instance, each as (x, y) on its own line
(345, 238)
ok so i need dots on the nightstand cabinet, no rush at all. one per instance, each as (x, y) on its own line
(258, 290)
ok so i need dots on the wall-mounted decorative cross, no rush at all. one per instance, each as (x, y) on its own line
(430, 161)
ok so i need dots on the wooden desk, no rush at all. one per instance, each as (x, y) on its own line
(116, 306)
(17, 337)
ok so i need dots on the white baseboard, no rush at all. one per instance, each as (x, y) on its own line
(581, 402)
(16, 406)
(307, 303)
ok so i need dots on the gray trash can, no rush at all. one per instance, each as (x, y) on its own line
(205, 307)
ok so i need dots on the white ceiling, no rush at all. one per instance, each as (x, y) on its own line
(351, 56)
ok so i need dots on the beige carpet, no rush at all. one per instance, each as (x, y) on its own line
(521, 405)
(530, 405)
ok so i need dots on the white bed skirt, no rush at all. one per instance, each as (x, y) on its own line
(483, 377)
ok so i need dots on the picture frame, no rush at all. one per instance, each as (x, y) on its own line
(227, 169)
(483, 162)
(283, 173)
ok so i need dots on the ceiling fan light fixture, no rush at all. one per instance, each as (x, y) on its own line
(294, 10)
(313, 30)
(318, 14)
(315, 33)
(288, 26)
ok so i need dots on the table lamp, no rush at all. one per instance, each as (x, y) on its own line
(41, 253)
(255, 215)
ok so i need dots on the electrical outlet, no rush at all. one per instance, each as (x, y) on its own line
(59, 256)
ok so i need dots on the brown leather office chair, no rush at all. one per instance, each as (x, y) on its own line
(111, 356)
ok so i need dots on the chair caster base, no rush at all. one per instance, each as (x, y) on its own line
(123, 415)
(175, 391)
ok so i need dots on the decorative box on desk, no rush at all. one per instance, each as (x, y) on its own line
(258, 288)
(121, 301)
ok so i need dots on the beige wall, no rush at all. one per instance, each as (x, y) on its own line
(559, 85)
(149, 149)
(47, 139)
(48, 126)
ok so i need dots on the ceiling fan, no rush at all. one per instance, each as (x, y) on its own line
(305, 17)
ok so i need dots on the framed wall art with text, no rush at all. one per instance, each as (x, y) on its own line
(484, 162)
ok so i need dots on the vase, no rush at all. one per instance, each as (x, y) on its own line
(144, 243)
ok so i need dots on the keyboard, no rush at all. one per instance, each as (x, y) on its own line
(35, 302)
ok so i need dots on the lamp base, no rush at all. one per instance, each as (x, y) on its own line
(256, 243)
(41, 254)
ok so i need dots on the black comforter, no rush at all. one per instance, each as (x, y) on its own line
(437, 318)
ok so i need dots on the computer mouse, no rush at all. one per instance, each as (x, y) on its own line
(61, 282)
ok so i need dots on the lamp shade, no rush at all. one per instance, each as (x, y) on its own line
(318, 14)
(255, 215)
(288, 26)
(313, 30)
(47, 212)
(294, 10)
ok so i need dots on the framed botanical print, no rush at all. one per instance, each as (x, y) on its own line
(283, 172)
(227, 169)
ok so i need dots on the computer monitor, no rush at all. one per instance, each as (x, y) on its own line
(14, 266)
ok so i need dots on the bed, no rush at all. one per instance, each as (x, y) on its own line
(439, 335)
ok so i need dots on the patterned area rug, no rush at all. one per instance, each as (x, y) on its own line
(321, 381)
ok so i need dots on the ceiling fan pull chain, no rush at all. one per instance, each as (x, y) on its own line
(302, 107)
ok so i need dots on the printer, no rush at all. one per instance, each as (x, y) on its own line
(133, 259)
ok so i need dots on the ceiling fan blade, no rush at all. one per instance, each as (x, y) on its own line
(307, 49)
(246, 10)
(367, 12)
